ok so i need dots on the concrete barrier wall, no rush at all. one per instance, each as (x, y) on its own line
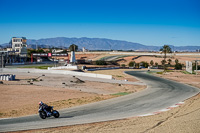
(59, 72)
(105, 68)
(62, 67)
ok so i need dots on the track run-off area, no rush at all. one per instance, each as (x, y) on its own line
(159, 94)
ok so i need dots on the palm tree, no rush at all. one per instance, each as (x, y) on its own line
(165, 49)
(73, 47)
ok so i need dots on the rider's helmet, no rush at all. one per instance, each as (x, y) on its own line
(40, 103)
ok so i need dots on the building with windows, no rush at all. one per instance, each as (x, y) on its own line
(19, 46)
(15, 52)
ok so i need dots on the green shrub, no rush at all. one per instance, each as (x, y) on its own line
(178, 66)
(144, 64)
(121, 94)
(185, 72)
(159, 72)
(151, 62)
(38, 67)
(194, 67)
(131, 64)
(123, 65)
(169, 71)
(101, 62)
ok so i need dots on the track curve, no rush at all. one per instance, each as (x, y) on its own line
(160, 94)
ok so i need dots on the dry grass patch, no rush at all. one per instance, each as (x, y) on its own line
(33, 108)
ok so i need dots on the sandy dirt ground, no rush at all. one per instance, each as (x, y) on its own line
(129, 58)
(158, 59)
(126, 60)
(116, 74)
(182, 119)
(21, 97)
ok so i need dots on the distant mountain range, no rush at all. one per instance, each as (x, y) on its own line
(98, 44)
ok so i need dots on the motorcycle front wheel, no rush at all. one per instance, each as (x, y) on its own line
(43, 115)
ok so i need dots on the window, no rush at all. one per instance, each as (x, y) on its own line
(17, 45)
(17, 40)
(17, 50)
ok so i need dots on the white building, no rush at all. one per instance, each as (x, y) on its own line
(19, 46)
(84, 50)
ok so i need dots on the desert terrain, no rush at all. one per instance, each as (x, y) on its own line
(182, 119)
(66, 92)
(21, 96)
(126, 58)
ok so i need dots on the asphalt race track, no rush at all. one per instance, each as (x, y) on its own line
(160, 94)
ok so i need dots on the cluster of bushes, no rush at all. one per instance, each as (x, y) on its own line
(178, 66)
(137, 65)
(194, 67)
(144, 64)
(101, 62)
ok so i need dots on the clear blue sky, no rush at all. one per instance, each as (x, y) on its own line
(149, 22)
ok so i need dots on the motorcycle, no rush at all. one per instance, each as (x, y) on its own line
(43, 113)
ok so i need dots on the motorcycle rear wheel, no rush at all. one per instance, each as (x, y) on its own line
(56, 113)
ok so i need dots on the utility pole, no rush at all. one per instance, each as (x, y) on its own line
(196, 66)
(1, 68)
(36, 46)
(2, 60)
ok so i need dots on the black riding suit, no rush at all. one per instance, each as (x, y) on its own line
(46, 107)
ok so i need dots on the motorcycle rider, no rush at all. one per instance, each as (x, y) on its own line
(46, 108)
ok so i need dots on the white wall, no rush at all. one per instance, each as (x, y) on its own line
(58, 72)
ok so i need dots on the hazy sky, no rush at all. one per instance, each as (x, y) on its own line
(149, 22)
